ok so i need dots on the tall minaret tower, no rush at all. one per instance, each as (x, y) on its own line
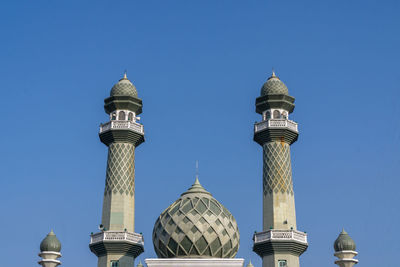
(117, 244)
(280, 244)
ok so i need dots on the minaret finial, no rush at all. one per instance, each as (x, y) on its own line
(125, 77)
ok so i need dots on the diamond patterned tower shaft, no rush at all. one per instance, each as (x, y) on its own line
(119, 201)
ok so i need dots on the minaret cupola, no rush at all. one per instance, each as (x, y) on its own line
(123, 103)
(124, 88)
(275, 104)
(274, 86)
(345, 250)
(50, 249)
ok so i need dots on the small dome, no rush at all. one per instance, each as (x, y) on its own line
(274, 86)
(196, 225)
(124, 88)
(344, 242)
(50, 243)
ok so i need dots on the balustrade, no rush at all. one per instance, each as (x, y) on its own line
(116, 236)
(280, 235)
(275, 123)
(130, 125)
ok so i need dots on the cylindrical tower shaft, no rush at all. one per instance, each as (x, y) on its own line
(278, 197)
(280, 244)
(119, 200)
(117, 245)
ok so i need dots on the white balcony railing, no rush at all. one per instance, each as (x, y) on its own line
(117, 236)
(283, 235)
(277, 124)
(134, 126)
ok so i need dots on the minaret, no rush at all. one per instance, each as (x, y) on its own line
(280, 244)
(50, 248)
(345, 250)
(117, 244)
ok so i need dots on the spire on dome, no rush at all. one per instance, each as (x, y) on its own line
(196, 188)
(273, 74)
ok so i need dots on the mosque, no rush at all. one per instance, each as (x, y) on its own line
(197, 230)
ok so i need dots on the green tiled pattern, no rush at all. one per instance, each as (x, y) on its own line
(120, 175)
(196, 225)
(125, 88)
(274, 86)
(277, 169)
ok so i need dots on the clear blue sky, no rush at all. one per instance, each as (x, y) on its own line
(198, 66)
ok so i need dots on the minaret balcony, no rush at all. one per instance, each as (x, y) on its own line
(274, 241)
(280, 235)
(116, 236)
(116, 242)
(276, 130)
(122, 125)
(276, 124)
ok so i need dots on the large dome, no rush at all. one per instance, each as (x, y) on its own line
(196, 225)
(274, 86)
(124, 88)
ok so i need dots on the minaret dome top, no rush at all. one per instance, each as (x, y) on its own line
(274, 86)
(344, 242)
(124, 88)
(50, 243)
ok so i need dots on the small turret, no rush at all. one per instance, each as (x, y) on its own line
(345, 250)
(50, 249)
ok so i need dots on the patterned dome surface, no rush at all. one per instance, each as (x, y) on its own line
(196, 225)
(344, 242)
(50, 243)
(274, 86)
(124, 88)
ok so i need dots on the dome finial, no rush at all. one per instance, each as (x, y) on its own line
(250, 264)
(125, 76)
(197, 171)
(273, 73)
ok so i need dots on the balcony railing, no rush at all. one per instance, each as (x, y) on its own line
(276, 124)
(122, 125)
(117, 236)
(283, 235)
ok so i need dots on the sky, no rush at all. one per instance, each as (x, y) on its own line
(199, 66)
